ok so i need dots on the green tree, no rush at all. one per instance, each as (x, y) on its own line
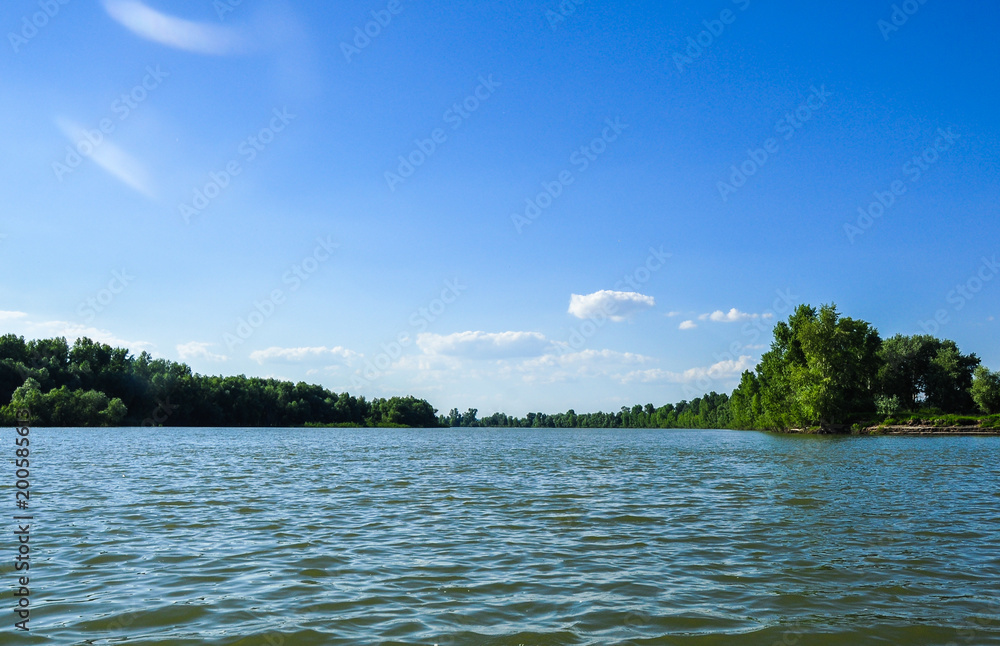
(922, 370)
(986, 390)
(840, 369)
(821, 369)
(949, 379)
(745, 403)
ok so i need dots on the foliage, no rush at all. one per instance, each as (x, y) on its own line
(922, 370)
(887, 406)
(91, 384)
(821, 369)
(830, 371)
(710, 411)
(986, 390)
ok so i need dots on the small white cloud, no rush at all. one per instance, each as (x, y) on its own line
(615, 305)
(198, 350)
(575, 366)
(10, 316)
(728, 369)
(687, 325)
(197, 37)
(300, 355)
(484, 345)
(673, 314)
(732, 316)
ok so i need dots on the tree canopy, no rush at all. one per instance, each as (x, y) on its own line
(92, 384)
(823, 369)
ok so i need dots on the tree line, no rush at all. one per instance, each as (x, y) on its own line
(822, 370)
(92, 384)
(710, 411)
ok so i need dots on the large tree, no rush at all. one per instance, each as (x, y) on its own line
(986, 390)
(821, 369)
(924, 371)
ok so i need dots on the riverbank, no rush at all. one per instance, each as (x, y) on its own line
(955, 426)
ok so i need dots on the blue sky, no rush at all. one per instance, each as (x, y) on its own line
(520, 206)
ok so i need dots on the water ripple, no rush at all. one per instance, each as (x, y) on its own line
(511, 537)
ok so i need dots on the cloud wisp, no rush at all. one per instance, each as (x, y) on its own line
(617, 305)
(324, 354)
(485, 345)
(187, 35)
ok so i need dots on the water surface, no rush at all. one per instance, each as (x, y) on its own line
(510, 537)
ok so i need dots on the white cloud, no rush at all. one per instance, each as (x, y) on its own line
(728, 369)
(687, 325)
(197, 37)
(587, 358)
(673, 314)
(733, 316)
(615, 305)
(299, 355)
(198, 350)
(20, 324)
(484, 345)
(74, 331)
(575, 366)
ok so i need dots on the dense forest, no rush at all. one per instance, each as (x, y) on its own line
(822, 371)
(91, 384)
(828, 371)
